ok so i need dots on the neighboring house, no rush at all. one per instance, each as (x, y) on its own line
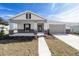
(4, 28)
(75, 28)
(29, 22)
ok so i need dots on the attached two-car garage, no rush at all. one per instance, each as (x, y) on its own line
(57, 28)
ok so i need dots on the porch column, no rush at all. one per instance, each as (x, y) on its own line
(35, 27)
(46, 28)
(12, 28)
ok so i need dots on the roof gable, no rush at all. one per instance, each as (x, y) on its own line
(22, 16)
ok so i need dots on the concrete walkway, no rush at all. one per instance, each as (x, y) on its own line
(71, 40)
(43, 49)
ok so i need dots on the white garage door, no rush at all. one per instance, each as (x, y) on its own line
(57, 28)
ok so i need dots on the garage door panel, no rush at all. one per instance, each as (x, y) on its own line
(55, 28)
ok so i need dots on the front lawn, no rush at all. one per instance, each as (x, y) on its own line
(59, 48)
(19, 47)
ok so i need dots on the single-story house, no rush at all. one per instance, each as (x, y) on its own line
(29, 22)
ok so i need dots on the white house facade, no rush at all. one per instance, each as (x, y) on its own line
(29, 22)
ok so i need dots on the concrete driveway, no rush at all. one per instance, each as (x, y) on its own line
(71, 40)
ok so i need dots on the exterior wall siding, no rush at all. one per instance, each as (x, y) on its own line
(35, 26)
(20, 26)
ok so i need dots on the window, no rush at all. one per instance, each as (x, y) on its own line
(28, 16)
(26, 26)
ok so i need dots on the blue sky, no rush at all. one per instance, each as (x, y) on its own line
(52, 11)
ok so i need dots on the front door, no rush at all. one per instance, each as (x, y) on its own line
(40, 28)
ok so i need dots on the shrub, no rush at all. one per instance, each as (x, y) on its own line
(1, 33)
(76, 33)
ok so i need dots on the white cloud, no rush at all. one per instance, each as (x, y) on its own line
(63, 6)
(9, 15)
(5, 8)
(53, 6)
(54, 17)
(71, 15)
(6, 16)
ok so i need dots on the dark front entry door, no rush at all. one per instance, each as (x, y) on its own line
(40, 28)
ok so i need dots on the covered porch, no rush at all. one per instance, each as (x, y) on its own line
(26, 28)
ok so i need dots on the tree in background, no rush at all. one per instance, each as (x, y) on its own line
(3, 22)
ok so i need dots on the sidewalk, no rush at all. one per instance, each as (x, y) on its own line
(43, 49)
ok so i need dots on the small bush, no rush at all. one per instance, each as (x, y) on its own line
(1, 33)
(76, 33)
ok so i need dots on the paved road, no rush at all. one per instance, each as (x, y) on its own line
(71, 40)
